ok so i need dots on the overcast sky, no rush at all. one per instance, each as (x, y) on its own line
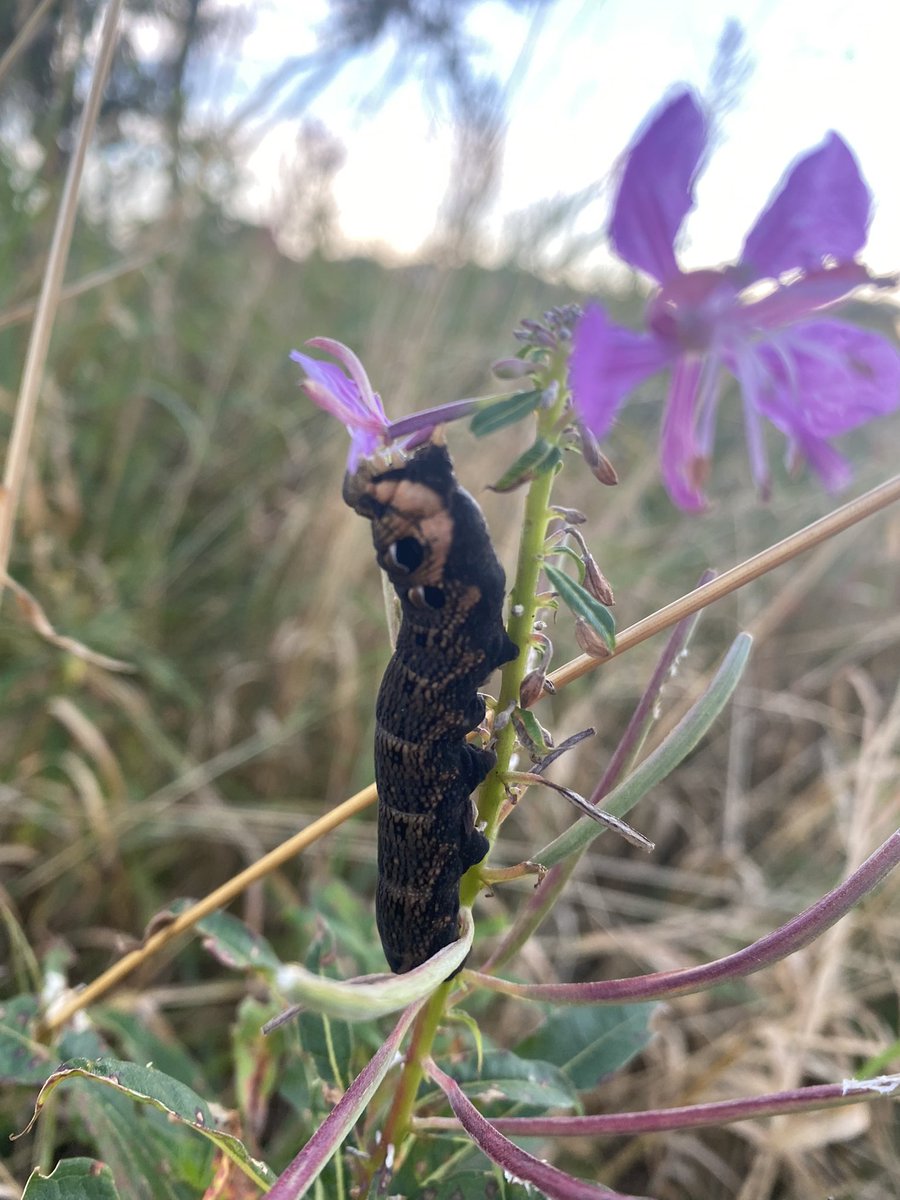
(592, 71)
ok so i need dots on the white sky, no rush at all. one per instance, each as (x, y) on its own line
(594, 71)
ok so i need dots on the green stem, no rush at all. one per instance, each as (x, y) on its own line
(523, 608)
(398, 1121)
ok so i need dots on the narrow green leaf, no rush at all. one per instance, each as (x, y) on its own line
(505, 412)
(364, 1001)
(535, 735)
(550, 461)
(664, 759)
(536, 460)
(570, 552)
(72, 1179)
(583, 604)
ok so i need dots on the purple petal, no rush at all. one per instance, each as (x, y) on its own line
(681, 461)
(804, 296)
(371, 401)
(821, 210)
(751, 374)
(657, 188)
(334, 391)
(351, 400)
(831, 467)
(827, 377)
(607, 362)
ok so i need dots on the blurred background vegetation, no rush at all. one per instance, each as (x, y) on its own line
(183, 513)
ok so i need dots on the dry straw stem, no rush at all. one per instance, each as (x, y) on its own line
(24, 37)
(767, 560)
(48, 301)
(841, 519)
(218, 899)
(88, 283)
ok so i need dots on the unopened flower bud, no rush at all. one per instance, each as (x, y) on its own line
(596, 582)
(572, 516)
(550, 394)
(601, 468)
(532, 688)
(589, 640)
(513, 368)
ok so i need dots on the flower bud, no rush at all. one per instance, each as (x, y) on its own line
(596, 582)
(589, 640)
(601, 468)
(513, 368)
(532, 688)
(572, 516)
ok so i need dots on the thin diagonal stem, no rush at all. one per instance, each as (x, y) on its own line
(48, 301)
(218, 899)
(772, 948)
(767, 560)
(24, 38)
(686, 1116)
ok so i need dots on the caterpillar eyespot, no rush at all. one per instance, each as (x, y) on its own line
(426, 597)
(406, 554)
(431, 539)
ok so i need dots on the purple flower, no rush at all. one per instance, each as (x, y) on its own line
(759, 320)
(349, 397)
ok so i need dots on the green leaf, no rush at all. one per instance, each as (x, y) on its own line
(589, 1043)
(524, 1080)
(72, 1179)
(257, 1059)
(478, 1185)
(145, 1085)
(536, 460)
(534, 732)
(663, 760)
(375, 998)
(583, 604)
(233, 943)
(134, 1142)
(505, 412)
(136, 1040)
(22, 1060)
(466, 1018)
(570, 552)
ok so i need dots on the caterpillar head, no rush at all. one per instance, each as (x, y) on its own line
(406, 497)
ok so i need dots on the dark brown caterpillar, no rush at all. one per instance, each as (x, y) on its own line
(431, 539)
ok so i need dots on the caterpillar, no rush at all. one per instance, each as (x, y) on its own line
(431, 539)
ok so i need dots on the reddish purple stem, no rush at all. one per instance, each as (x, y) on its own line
(515, 1161)
(659, 1120)
(301, 1172)
(775, 946)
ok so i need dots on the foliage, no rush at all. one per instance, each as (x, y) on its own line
(183, 514)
